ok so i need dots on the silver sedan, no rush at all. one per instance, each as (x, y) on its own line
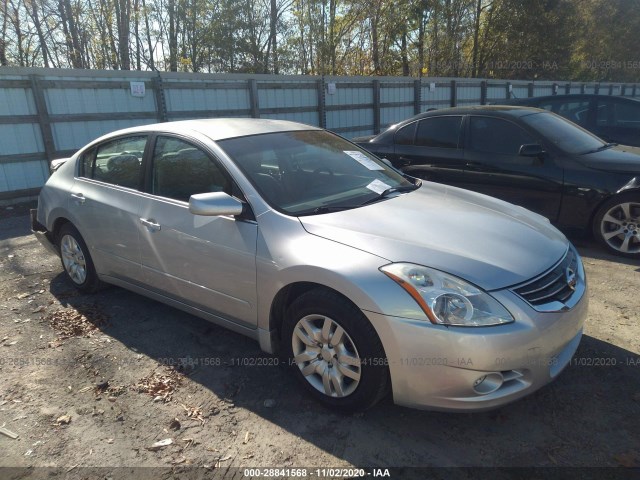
(366, 281)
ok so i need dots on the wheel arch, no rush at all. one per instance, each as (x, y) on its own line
(283, 299)
(626, 190)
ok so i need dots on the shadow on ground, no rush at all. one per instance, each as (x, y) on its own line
(600, 388)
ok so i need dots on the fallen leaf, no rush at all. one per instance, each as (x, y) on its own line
(175, 424)
(63, 420)
(160, 444)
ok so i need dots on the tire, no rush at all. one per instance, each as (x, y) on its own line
(76, 260)
(351, 375)
(616, 225)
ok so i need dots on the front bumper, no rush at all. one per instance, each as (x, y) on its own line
(41, 233)
(478, 368)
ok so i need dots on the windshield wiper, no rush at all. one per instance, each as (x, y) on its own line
(599, 149)
(390, 190)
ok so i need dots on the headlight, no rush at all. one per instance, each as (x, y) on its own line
(445, 299)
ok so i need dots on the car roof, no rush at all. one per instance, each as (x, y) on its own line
(216, 128)
(504, 111)
(494, 110)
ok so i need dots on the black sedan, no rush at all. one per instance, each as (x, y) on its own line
(527, 156)
(614, 119)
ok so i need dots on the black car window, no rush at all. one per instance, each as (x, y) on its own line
(118, 161)
(406, 135)
(495, 135)
(181, 170)
(618, 114)
(562, 133)
(442, 132)
(576, 110)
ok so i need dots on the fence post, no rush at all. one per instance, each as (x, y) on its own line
(554, 89)
(633, 92)
(483, 92)
(508, 89)
(253, 98)
(322, 115)
(611, 89)
(596, 89)
(161, 103)
(567, 88)
(530, 90)
(417, 96)
(43, 117)
(454, 93)
(376, 106)
(623, 89)
(582, 88)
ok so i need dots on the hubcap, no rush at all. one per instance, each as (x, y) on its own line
(620, 227)
(326, 355)
(73, 259)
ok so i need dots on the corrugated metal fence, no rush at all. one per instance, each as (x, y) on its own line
(47, 113)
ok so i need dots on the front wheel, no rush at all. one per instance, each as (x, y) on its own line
(617, 225)
(76, 259)
(335, 352)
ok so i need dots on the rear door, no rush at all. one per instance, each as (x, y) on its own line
(206, 262)
(431, 149)
(495, 168)
(105, 199)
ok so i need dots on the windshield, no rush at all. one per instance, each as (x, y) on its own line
(311, 171)
(564, 134)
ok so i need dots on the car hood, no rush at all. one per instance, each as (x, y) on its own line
(620, 158)
(486, 241)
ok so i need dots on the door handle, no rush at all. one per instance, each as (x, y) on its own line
(150, 224)
(78, 197)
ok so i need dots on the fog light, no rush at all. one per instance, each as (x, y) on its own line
(488, 383)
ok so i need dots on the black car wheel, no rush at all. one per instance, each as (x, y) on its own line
(76, 259)
(334, 351)
(617, 225)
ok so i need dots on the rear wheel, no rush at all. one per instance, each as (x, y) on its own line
(617, 225)
(76, 259)
(334, 351)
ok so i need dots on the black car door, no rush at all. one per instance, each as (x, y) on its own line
(431, 149)
(618, 121)
(495, 167)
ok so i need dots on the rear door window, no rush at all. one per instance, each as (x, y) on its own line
(118, 161)
(440, 132)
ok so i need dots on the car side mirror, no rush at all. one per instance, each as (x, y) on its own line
(531, 150)
(214, 204)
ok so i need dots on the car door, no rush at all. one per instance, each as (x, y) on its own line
(430, 149)
(495, 167)
(104, 202)
(618, 121)
(206, 262)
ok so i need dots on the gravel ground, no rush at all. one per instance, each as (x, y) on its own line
(97, 380)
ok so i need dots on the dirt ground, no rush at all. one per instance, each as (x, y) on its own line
(97, 380)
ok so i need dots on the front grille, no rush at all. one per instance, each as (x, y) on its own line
(553, 286)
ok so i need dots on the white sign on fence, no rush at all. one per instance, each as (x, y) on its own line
(137, 89)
